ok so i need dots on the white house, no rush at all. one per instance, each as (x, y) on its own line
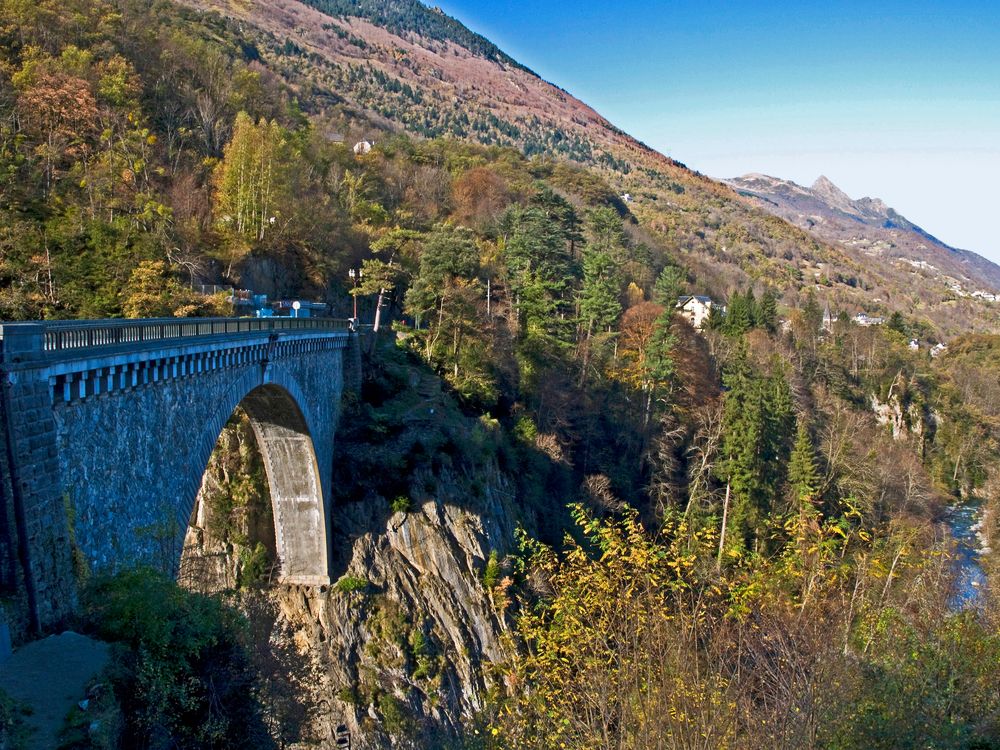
(864, 319)
(695, 309)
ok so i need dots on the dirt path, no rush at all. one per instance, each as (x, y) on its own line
(51, 676)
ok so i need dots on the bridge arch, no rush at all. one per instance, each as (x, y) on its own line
(295, 483)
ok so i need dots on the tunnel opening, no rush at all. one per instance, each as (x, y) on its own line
(259, 516)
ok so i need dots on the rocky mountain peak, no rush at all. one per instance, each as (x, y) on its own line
(833, 195)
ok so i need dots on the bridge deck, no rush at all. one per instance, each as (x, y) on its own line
(55, 339)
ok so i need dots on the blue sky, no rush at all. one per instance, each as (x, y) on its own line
(896, 100)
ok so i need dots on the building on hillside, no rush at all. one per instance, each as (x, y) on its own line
(864, 319)
(695, 309)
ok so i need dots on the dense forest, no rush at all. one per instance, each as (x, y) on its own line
(727, 538)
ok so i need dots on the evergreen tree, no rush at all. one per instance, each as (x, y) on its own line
(539, 269)
(757, 424)
(803, 476)
(897, 323)
(779, 422)
(599, 304)
(742, 431)
(767, 311)
(606, 231)
(561, 211)
(753, 309)
(445, 290)
(716, 319)
(739, 315)
(812, 314)
(660, 364)
(668, 286)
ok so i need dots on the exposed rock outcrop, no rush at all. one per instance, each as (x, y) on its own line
(404, 637)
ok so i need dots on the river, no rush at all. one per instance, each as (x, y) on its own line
(964, 521)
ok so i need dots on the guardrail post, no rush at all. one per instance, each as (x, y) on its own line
(23, 342)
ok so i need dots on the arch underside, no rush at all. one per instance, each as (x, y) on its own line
(294, 483)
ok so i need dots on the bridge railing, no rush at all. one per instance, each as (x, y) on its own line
(67, 335)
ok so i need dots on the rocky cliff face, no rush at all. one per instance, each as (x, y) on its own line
(403, 640)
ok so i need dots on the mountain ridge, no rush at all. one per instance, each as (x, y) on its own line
(831, 214)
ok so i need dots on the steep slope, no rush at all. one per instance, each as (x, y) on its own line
(869, 226)
(364, 69)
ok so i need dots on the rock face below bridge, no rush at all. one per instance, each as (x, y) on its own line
(416, 642)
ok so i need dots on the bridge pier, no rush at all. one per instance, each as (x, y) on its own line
(43, 541)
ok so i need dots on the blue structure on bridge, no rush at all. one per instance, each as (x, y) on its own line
(106, 428)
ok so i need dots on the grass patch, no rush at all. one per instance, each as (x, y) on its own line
(350, 584)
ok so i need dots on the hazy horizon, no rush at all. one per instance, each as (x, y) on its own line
(900, 103)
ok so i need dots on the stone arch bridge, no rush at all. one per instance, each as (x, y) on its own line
(106, 428)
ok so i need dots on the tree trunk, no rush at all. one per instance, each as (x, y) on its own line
(722, 533)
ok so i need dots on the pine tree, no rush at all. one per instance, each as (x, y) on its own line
(779, 422)
(742, 431)
(739, 318)
(539, 269)
(599, 305)
(668, 286)
(758, 418)
(812, 314)
(753, 309)
(803, 476)
(767, 311)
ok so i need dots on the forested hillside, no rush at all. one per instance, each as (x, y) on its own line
(408, 66)
(727, 538)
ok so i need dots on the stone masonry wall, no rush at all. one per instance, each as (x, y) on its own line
(35, 479)
(13, 591)
(132, 462)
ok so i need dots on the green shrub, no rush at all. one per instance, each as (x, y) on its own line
(14, 733)
(491, 574)
(349, 584)
(183, 675)
(402, 504)
(395, 717)
(525, 429)
(256, 563)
